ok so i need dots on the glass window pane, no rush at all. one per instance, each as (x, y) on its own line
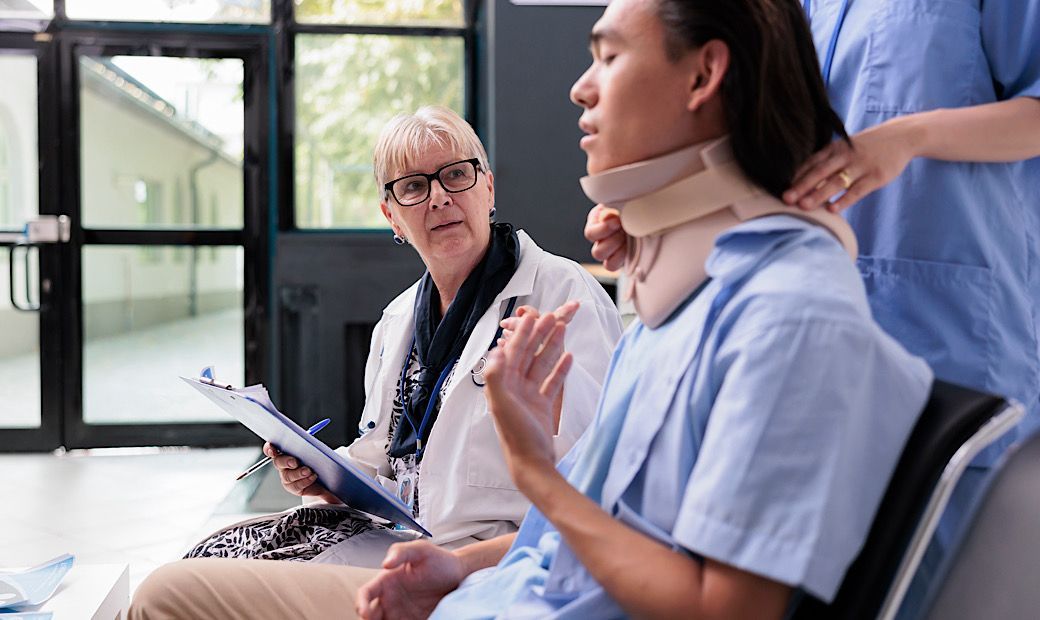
(162, 139)
(193, 11)
(150, 315)
(19, 153)
(26, 9)
(347, 88)
(19, 347)
(380, 12)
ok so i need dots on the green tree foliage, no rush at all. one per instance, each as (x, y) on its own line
(372, 12)
(349, 86)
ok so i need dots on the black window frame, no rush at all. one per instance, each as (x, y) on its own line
(283, 21)
(272, 180)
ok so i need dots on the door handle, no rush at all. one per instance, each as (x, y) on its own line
(49, 229)
(44, 230)
(28, 306)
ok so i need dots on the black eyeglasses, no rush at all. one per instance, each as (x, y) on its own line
(415, 188)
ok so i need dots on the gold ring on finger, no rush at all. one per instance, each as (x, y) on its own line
(846, 178)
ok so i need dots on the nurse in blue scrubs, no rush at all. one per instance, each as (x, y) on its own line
(942, 186)
(942, 181)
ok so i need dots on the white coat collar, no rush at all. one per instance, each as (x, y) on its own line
(521, 284)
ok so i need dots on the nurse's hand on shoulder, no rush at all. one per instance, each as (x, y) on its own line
(525, 376)
(874, 159)
(415, 577)
(298, 479)
(609, 241)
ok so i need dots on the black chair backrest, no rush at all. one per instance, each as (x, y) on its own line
(953, 414)
(995, 572)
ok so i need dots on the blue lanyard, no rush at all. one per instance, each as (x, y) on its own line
(829, 60)
(436, 394)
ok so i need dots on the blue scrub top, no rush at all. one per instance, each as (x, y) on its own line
(950, 252)
(758, 426)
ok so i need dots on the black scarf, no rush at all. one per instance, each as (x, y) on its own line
(440, 341)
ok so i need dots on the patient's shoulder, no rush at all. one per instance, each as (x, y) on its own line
(788, 271)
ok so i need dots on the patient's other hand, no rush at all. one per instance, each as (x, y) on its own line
(297, 478)
(415, 577)
(609, 241)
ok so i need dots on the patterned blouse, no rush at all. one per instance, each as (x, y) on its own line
(405, 470)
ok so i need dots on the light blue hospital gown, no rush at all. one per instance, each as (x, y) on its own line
(758, 426)
(950, 251)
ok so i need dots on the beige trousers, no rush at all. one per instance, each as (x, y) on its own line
(226, 589)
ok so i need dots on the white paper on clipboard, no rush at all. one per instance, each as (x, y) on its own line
(256, 412)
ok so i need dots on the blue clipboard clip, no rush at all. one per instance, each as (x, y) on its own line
(207, 375)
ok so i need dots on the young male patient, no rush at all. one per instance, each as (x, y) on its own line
(750, 420)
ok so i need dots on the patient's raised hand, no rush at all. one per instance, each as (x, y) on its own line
(525, 376)
(297, 478)
(563, 314)
(415, 577)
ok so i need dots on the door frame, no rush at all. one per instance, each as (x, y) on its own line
(61, 324)
(253, 49)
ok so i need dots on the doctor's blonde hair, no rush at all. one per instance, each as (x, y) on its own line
(407, 136)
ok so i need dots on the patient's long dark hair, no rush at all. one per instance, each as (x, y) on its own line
(776, 104)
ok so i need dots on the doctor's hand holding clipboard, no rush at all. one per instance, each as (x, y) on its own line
(297, 478)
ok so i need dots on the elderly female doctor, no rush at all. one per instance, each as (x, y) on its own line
(425, 429)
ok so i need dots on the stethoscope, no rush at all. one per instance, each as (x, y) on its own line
(829, 59)
(477, 375)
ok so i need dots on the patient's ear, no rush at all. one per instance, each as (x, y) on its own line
(710, 65)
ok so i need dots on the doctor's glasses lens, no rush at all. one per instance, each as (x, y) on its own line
(455, 177)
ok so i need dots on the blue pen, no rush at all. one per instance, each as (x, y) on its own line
(264, 461)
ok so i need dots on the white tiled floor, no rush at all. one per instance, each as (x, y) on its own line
(118, 507)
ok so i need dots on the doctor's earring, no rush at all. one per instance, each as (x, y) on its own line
(399, 240)
(492, 212)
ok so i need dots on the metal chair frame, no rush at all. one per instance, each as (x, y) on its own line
(989, 432)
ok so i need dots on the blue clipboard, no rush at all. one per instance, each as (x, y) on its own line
(335, 473)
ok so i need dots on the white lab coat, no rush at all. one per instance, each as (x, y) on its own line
(465, 491)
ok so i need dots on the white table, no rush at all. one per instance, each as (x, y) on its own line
(94, 591)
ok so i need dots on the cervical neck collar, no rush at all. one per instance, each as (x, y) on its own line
(674, 207)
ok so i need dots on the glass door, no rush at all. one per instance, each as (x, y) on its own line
(30, 270)
(168, 270)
